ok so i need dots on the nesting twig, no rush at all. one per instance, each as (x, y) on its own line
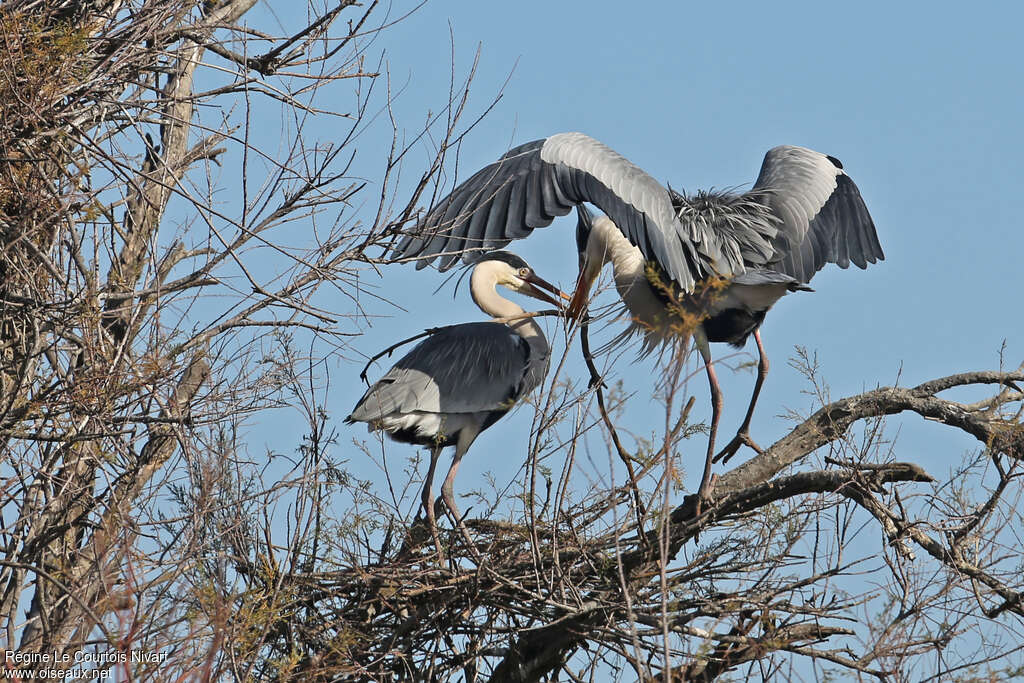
(596, 383)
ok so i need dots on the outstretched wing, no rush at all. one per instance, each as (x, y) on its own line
(823, 217)
(468, 368)
(533, 183)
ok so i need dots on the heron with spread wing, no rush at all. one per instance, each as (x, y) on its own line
(668, 250)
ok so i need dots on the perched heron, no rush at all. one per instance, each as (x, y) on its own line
(463, 378)
(720, 258)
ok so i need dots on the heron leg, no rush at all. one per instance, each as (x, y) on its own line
(743, 433)
(466, 437)
(704, 492)
(428, 496)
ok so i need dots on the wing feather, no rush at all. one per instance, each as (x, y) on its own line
(823, 218)
(497, 217)
(534, 210)
(515, 221)
(468, 368)
(548, 177)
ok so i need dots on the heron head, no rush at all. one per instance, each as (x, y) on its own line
(516, 274)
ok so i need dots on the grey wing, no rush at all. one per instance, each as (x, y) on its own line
(533, 183)
(460, 369)
(823, 217)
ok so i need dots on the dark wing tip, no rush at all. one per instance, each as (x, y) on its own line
(584, 224)
(503, 201)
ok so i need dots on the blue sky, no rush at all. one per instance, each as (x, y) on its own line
(923, 106)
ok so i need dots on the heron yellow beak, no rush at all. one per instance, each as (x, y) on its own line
(581, 295)
(534, 286)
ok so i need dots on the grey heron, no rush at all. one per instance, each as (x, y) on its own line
(725, 257)
(462, 379)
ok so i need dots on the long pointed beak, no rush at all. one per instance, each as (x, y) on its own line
(538, 284)
(581, 294)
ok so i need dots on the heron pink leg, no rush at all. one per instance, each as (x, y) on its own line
(743, 433)
(704, 493)
(446, 489)
(428, 496)
(466, 438)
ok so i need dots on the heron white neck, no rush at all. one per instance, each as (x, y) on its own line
(607, 244)
(483, 286)
(646, 309)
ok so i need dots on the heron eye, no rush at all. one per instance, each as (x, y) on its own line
(524, 272)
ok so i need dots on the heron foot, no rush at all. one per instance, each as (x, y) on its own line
(457, 521)
(432, 523)
(422, 530)
(418, 534)
(742, 438)
(705, 496)
(704, 500)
